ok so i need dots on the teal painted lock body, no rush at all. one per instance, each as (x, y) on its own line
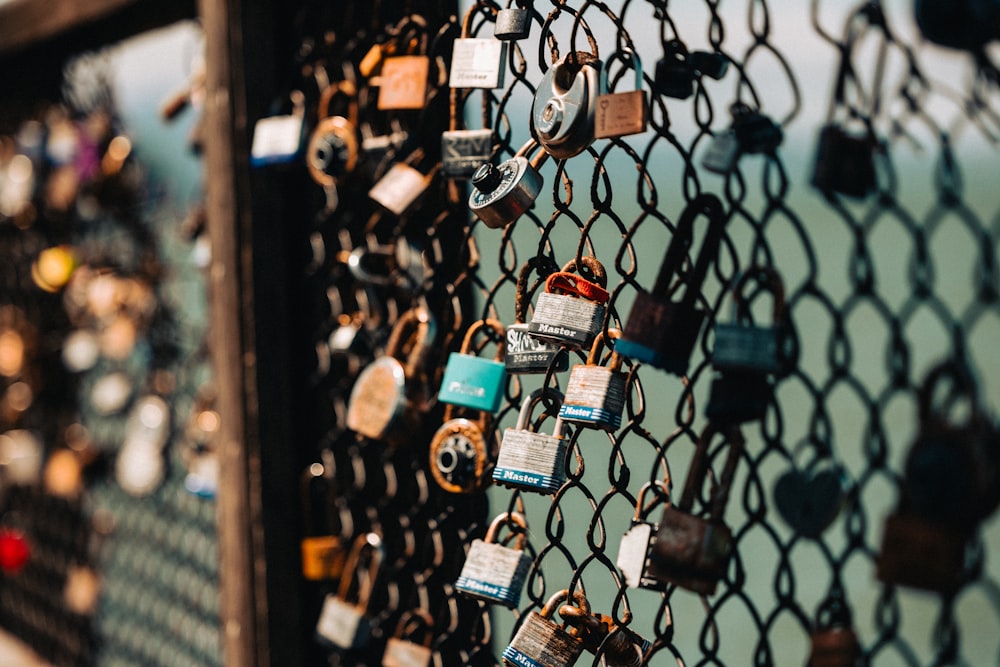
(595, 395)
(532, 461)
(474, 382)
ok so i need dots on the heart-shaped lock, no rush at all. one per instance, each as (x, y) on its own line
(810, 499)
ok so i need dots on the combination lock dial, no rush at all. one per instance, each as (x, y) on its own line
(458, 456)
(333, 151)
(501, 193)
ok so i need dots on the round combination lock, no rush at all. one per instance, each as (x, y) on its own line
(458, 456)
(333, 150)
(501, 193)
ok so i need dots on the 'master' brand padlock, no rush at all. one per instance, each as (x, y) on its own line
(571, 310)
(595, 394)
(388, 395)
(502, 193)
(528, 460)
(693, 551)
(832, 642)
(323, 553)
(343, 624)
(662, 332)
(526, 354)
(540, 641)
(562, 112)
(332, 152)
(401, 650)
(474, 382)
(638, 541)
(492, 571)
(616, 645)
(514, 20)
(950, 485)
(460, 451)
(621, 114)
(278, 139)
(477, 62)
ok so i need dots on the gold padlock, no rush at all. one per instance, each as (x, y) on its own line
(401, 650)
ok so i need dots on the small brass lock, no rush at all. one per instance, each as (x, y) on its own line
(622, 113)
(323, 552)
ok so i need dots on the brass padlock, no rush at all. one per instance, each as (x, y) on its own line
(571, 311)
(332, 151)
(388, 396)
(343, 624)
(403, 76)
(525, 353)
(540, 641)
(514, 20)
(502, 193)
(562, 112)
(460, 451)
(692, 551)
(401, 650)
(492, 571)
(595, 394)
(621, 113)
(323, 552)
(529, 460)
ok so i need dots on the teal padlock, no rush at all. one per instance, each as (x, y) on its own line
(474, 382)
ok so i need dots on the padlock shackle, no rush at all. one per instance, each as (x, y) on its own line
(963, 386)
(703, 204)
(373, 542)
(411, 621)
(503, 519)
(641, 509)
(529, 403)
(545, 266)
(593, 359)
(627, 56)
(592, 264)
(346, 88)
(418, 325)
(475, 327)
(549, 608)
(540, 156)
(767, 277)
(699, 469)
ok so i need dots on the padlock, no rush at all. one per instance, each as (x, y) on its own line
(278, 139)
(755, 132)
(401, 650)
(474, 382)
(950, 484)
(625, 113)
(477, 62)
(343, 624)
(533, 461)
(692, 551)
(674, 76)
(323, 553)
(404, 184)
(571, 311)
(502, 193)
(968, 25)
(332, 152)
(460, 451)
(464, 151)
(662, 332)
(832, 641)
(809, 498)
(387, 396)
(140, 467)
(615, 644)
(541, 641)
(402, 80)
(562, 112)
(514, 20)
(492, 571)
(526, 354)
(637, 543)
(595, 394)
(722, 154)
(845, 162)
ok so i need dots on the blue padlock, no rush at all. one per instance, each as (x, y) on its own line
(474, 382)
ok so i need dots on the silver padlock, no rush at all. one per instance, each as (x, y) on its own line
(562, 112)
(541, 641)
(403, 185)
(476, 62)
(571, 310)
(722, 154)
(528, 460)
(502, 193)
(595, 394)
(638, 540)
(494, 572)
(343, 624)
(401, 650)
(514, 22)
(525, 353)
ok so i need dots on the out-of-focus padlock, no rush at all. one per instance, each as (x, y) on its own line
(514, 20)
(477, 62)
(529, 460)
(615, 644)
(832, 642)
(595, 394)
(475, 382)
(404, 183)
(693, 551)
(541, 641)
(463, 151)
(344, 624)
(502, 193)
(959, 24)
(388, 396)
(323, 553)
(637, 542)
(845, 161)
(526, 354)
(677, 70)
(278, 139)
(401, 650)
(951, 482)
(402, 79)
(622, 113)
(494, 572)
(562, 113)
(460, 452)
(571, 310)
(662, 332)
(332, 151)
(751, 132)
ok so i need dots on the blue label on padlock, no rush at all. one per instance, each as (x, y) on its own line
(526, 480)
(516, 657)
(639, 352)
(473, 382)
(485, 590)
(590, 416)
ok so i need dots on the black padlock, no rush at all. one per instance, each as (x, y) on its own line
(674, 77)
(755, 132)
(662, 332)
(958, 24)
(845, 162)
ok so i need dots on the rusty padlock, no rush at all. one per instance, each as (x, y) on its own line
(527, 354)
(541, 641)
(493, 571)
(344, 624)
(401, 650)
